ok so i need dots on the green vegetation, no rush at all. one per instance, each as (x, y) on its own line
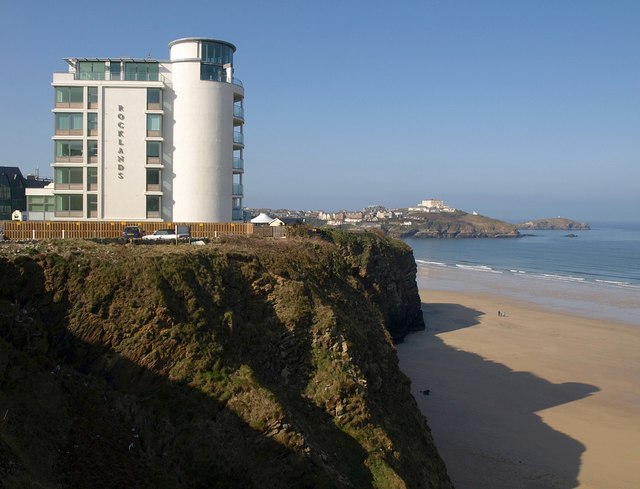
(244, 363)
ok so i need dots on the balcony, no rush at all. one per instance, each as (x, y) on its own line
(238, 140)
(238, 112)
(121, 76)
(69, 105)
(68, 186)
(71, 132)
(69, 213)
(237, 215)
(238, 163)
(237, 189)
(69, 158)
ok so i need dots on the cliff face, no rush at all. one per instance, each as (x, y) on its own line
(249, 363)
(387, 271)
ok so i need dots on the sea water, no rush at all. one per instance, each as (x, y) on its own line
(595, 273)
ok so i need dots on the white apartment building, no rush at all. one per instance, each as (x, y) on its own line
(432, 205)
(142, 139)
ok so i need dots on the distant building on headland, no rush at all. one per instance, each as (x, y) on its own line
(432, 205)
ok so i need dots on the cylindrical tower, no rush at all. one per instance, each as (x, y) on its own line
(207, 134)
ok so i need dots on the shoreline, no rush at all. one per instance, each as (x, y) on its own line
(538, 398)
(601, 302)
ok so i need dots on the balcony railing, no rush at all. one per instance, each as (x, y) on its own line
(237, 189)
(236, 81)
(238, 163)
(238, 137)
(238, 112)
(122, 76)
(237, 214)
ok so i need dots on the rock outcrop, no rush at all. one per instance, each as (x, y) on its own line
(553, 223)
(246, 363)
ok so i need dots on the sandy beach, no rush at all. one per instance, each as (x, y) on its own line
(531, 399)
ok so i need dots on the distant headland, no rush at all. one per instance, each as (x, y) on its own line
(429, 219)
(553, 223)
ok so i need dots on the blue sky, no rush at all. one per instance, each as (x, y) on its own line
(513, 108)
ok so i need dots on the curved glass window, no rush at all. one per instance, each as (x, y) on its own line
(216, 53)
(212, 73)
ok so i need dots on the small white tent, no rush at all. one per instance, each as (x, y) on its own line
(262, 219)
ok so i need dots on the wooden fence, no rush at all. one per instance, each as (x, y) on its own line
(271, 231)
(26, 230)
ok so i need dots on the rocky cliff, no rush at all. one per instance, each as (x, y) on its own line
(246, 363)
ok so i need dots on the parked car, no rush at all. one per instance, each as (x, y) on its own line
(161, 234)
(131, 232)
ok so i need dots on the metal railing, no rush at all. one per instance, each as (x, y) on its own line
(238, 112)
(238, 137)
(117, 76)
(122, 76)
(238, 163)
(237, 189)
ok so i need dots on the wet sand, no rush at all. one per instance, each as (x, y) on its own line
(534, 399)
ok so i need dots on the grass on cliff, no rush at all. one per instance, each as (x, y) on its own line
(257, 362)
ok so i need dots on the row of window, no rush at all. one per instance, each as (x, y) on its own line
(71, 124)
(40, 203)
(11, 195)
(118, 70)
(72, 151)
(213, 73)
(73, 97)
(70, 178)
(217, 53)
(5, 187)
(71, 205)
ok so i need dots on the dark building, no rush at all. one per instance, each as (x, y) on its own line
(12, 195)
(12, 190)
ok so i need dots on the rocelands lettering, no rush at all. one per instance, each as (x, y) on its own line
(121, 117)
